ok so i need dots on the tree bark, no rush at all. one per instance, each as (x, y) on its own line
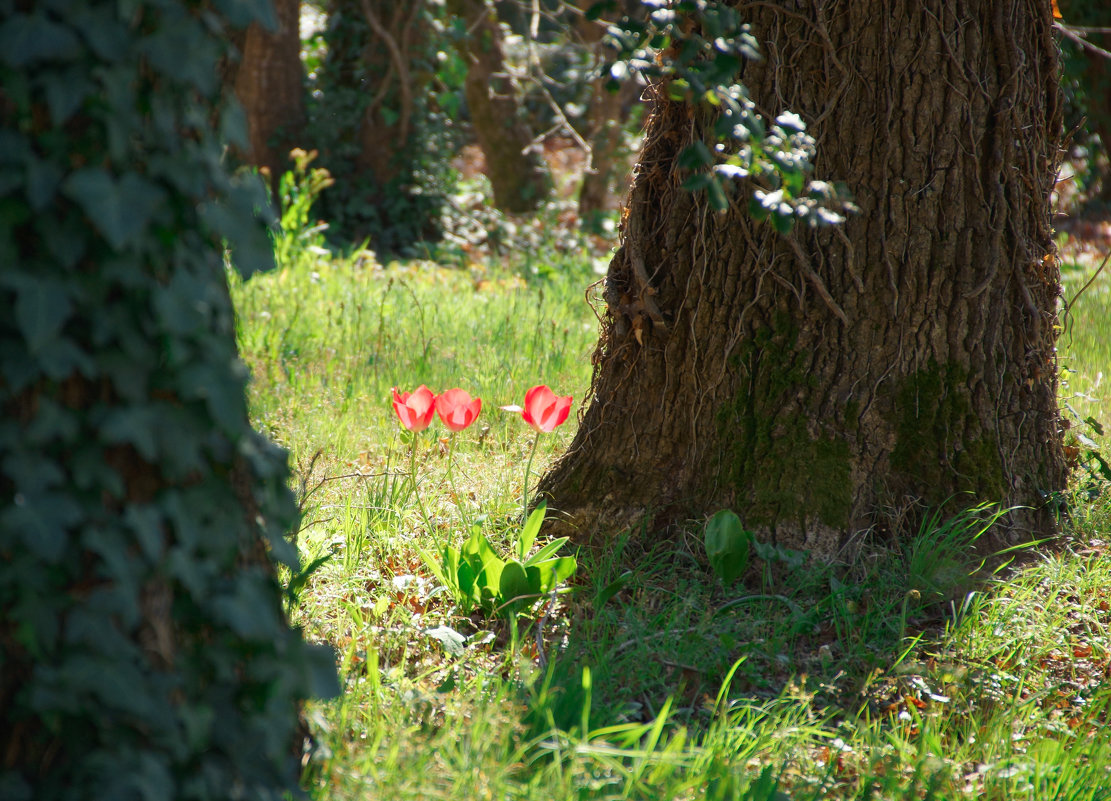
(269, 83)
(516, 171)
(826, 382)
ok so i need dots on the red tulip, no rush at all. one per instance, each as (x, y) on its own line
(457, 409)
(544, 410)
(415, 409)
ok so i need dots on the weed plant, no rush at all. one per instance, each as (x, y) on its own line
(913, 673)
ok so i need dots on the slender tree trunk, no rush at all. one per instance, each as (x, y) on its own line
(268, 83)
(516, 171)
(823, 383)
(1095, 80)
(605, 116)
(396, 33)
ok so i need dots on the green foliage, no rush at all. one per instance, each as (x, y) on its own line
(477, 577)
(695, 49)
(298, 235)
(728, 545)
(143, 648)
(349, 82)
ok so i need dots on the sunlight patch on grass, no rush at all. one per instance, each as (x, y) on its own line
(910, 673)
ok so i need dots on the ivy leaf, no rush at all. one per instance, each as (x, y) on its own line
(119, 209)
(65, 92)
(42, 521)
(29, 38)
(43, 178)
(41, 309)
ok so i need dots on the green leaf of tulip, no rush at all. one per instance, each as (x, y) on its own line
(531, 529)
(728, 545)
(514, 584)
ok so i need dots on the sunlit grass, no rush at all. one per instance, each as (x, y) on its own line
(898, 677)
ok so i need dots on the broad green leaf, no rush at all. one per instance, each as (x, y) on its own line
(451, 639)
(513, 582)
(775, 553)
(531, 529)
(547, 551)
(727, 545)
(546, 576)
(695, 156)
(565, 567)
(1104, 467)
(466, 579)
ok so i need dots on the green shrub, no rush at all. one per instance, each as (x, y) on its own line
(144, 652)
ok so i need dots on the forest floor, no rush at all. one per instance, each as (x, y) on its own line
(914, 672)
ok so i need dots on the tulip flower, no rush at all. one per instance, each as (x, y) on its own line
(414, 409)
(543, 409)
(457, 409)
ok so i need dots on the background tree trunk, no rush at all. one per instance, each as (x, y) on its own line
(1094, 78)
(516, 171)
(825, 382)
(396, 31)
(605, 116)
(269, 85)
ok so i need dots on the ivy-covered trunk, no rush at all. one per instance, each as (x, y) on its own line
(370, 113)
(144, 648)
(395, 44)
(827, 382)
(516, 170)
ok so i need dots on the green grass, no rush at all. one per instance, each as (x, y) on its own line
(899, 677)
(1085, 345)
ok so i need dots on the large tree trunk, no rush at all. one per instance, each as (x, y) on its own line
(269, 85)
(515, 169)
(821, 383)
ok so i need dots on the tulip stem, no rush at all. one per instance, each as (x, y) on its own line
(451, 482)
(413, 484)
(528, 469)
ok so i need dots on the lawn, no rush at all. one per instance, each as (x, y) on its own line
(912, 673)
